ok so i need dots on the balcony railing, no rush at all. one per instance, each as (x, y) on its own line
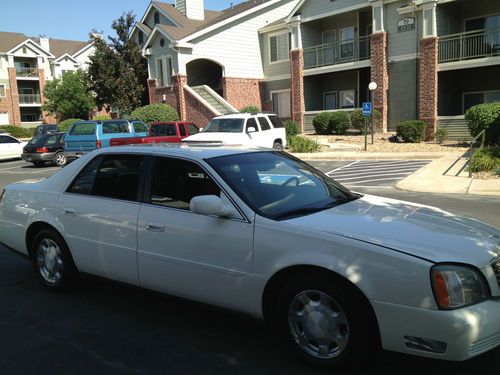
(337, 53)
(26, 72)
(29, 99)
(469, 45)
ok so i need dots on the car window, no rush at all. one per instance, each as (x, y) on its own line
(117, 176)
(52, 140)
(264, 124)
(275, 120)
(193, 129)
(84, 128)
(37, 140)
(225, 125)
(182, 130)
(175, 182)
(163, 130)
(7, 139)
(251, 123)
(140, 127)
(115, 127)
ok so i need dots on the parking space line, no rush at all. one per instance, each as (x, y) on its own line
(344, 166)
(394, 171)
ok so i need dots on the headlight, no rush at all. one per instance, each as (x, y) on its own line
(457, 286)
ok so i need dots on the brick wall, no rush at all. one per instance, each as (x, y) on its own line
(46, 117)
(379, 74)
(428, 84)
(196, 111)
(6, 105)
(14, 112)
(242, 92)
(297, 87)
(172, 95)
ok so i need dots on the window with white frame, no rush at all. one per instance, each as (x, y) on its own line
(279, 47)
(281, 103)
(2, 90)
(164, 70)
(160, 75)
(472, 98)
(347, 99)
(346, 36)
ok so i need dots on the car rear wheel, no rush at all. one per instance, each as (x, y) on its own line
(60, 159)
(52, 260)
(324, 321)
(278, 146)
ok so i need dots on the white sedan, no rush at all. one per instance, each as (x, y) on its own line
(338, 274)
(10, 147)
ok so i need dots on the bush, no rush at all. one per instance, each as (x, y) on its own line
(358, 120)
(441, 135)
(101, 118)
(17, 131)
(486, 159)
(154, 112)
(484, 116)
(291, 128)
(411, 131)
(250, 109)
(321, 123)
(339, 122)
(64, 125)
(302, 144)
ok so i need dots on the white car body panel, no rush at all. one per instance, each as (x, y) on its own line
(11, 150)
(374, 242)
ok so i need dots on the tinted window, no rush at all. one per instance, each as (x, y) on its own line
(275, 120)
(7, 139)
(52, 140)
(251, 123)
(182, 130)
(84, 128)
(37, 140)
(82, 184)
(193, 129)
(140, 127)
(176, 181)
(264, 124)
(114, 127)
(163, 130)
(226, 125)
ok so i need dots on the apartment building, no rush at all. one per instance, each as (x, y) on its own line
(431, 59)
(26, 64)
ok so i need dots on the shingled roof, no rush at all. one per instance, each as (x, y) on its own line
(10, 40)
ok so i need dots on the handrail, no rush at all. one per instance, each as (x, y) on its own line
(471, 154)
(467, 33)
(29, 99)
(22, 71)
(469, 45)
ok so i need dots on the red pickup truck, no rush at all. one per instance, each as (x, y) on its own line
(160, 132)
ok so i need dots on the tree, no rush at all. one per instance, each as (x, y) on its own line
(117, 71)
(68, 97)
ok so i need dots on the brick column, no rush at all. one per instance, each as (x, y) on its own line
(153, 98)
(428, 85)
(47, 119)
(178, 83)
(297, 78)
(379, 74)
(15, 112)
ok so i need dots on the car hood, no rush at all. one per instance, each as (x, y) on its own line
(423, 231)
(226, 138)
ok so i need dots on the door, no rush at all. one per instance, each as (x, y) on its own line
(205, 258)
(10, 147)
(99, 214)
(256, 138)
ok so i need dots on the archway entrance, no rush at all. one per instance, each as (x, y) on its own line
(205, 72)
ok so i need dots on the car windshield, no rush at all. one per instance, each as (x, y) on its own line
(224, 125)
(278, 186)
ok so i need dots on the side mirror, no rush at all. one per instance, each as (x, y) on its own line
(251, 129)
(200, 130)
(210, 205)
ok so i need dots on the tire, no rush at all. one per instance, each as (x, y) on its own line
(60, 159)
(52, 261)
(334, 330)
(278, 146)
(39, 163)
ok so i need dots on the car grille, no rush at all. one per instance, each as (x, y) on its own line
(496, 268)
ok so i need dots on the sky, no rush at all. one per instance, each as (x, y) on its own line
(74, 19)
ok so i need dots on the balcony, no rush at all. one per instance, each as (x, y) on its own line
(29, 99)
(25, 72)
(469, 45)
(356, 49)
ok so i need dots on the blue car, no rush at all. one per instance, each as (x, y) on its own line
(86, 136)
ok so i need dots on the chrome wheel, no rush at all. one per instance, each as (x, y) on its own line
(49, 261)
(318, 324)
(60, 159)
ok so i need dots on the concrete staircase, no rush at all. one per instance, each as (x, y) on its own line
(214, 99)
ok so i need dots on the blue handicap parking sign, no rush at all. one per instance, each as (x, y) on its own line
(367, 108)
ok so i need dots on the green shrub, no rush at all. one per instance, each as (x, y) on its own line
(101, 118)
(441, 135)
(339, 122)
(486, 159)
(64, 125)
(411, 131)
(250, 109)
(154, 112)
(358, 120)
(484, 116)
(17, 131)
(321, 123)
(302, 144)
(291, 127)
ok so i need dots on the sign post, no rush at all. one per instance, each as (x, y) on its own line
(367, 111)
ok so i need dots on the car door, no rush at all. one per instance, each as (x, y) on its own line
(99, 213)
(10, 147)
(206, 258)
(256, 138)
(267, 132)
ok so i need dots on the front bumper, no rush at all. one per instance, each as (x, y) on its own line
(467, 332)
(75, 154)
(32, 157)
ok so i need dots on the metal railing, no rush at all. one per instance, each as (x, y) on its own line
(469, 45)
(29, 99)
(337, 53)
(471, 150)
(22, 71)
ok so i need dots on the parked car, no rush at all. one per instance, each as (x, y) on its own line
(45, 148)
(337, 273)
(45, 128)
(10, 147)
(160, 132)
(250, 129)
(86, 136)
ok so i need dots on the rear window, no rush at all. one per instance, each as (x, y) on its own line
(37, 140)
(115, 127)
(276, 122)
(163, 130)
(85, 128)
(140, 127)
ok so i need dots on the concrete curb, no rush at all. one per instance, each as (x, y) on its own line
(361, 155)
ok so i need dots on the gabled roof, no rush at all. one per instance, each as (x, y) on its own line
(10, 40)
(33, 45)
(66, 56)
(59, 47)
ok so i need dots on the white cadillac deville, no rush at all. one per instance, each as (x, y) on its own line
(338, 274)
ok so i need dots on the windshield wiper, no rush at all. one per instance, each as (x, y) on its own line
(311, 210)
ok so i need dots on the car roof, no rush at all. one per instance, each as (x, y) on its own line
(245, 115)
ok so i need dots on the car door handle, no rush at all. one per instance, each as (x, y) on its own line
(154, 227)
(69, 211)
